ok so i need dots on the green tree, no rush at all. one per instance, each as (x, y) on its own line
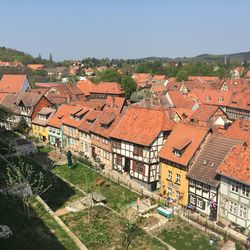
(108, 75)
(4, 112)
(50, 58)
(128, 85)
(22, 127)
(182, 75)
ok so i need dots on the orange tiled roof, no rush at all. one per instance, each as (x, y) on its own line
(183, 113)
(203, 78)
(247, 74)
(141, 125)
(12, 83)
(240, 129)
(179, 100)
(158, 88)
(236, 84)
(85, 86)
(2, 96)
(204, 112)
(107, 88)
(194, 135)
(105, 123)
(240, 100)
(211, 96)
(88, 120)
(236, 164)
(58, 118)
(158, 77)
(115, 103)
(35, 66)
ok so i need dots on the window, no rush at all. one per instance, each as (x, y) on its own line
(245, 190)
(192, 182)
(170, 191)
(138, 167)
(192, 199)
(198, 184)
(242, 212)
(178, 195)
(235, 186)
(138, 150)
(169, 175)
(232, 207)
(177, 152)
(178, 178)
(205, 187)
(117, 144)
(200, 203)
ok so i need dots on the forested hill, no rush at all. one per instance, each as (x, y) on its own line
(11, 55)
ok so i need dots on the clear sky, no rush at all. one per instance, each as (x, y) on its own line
(74, 29)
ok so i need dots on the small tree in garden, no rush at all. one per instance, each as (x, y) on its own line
(25, 183)
(130, 227)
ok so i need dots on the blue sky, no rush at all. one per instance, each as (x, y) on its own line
(74, 29)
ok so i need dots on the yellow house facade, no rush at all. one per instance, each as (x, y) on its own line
(174, 182)
(40, 132)
(176, 158)
(40, 128)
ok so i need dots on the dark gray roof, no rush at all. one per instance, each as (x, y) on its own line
(210, 157)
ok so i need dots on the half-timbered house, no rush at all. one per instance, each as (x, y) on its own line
(136, 142)
(203, 179)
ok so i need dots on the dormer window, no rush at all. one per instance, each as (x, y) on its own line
(177, 152)
(221, 99)
(208, 98)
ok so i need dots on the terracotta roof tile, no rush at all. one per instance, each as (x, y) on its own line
(107, 88)
(85, 86)
(141, 125)
(44, 111)
(180, 101)
(204, 112)
(12, 83)
(240, 129)
(236, 164)
(188, 132)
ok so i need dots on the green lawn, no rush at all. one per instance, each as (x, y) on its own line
(41, 233)
(85, 178)
(185, 237)
(103, 229)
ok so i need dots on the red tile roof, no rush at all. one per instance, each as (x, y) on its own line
(247, 74)
(115, 103)
(173, 85)
(211, 96)
(183, 132)
(105, 123)
(88, 120)
(141, 125)
(240, 100)
(141, 79)
(107, 88)
(236, 84)
(58, 118)
(204, 112)
(183, 113)
(158, 77)
(12, 83)
(85, 86)
(158, 88)
(236, 164)
(179, 100)
(35, 66)
(240, 129)
(203, 78)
